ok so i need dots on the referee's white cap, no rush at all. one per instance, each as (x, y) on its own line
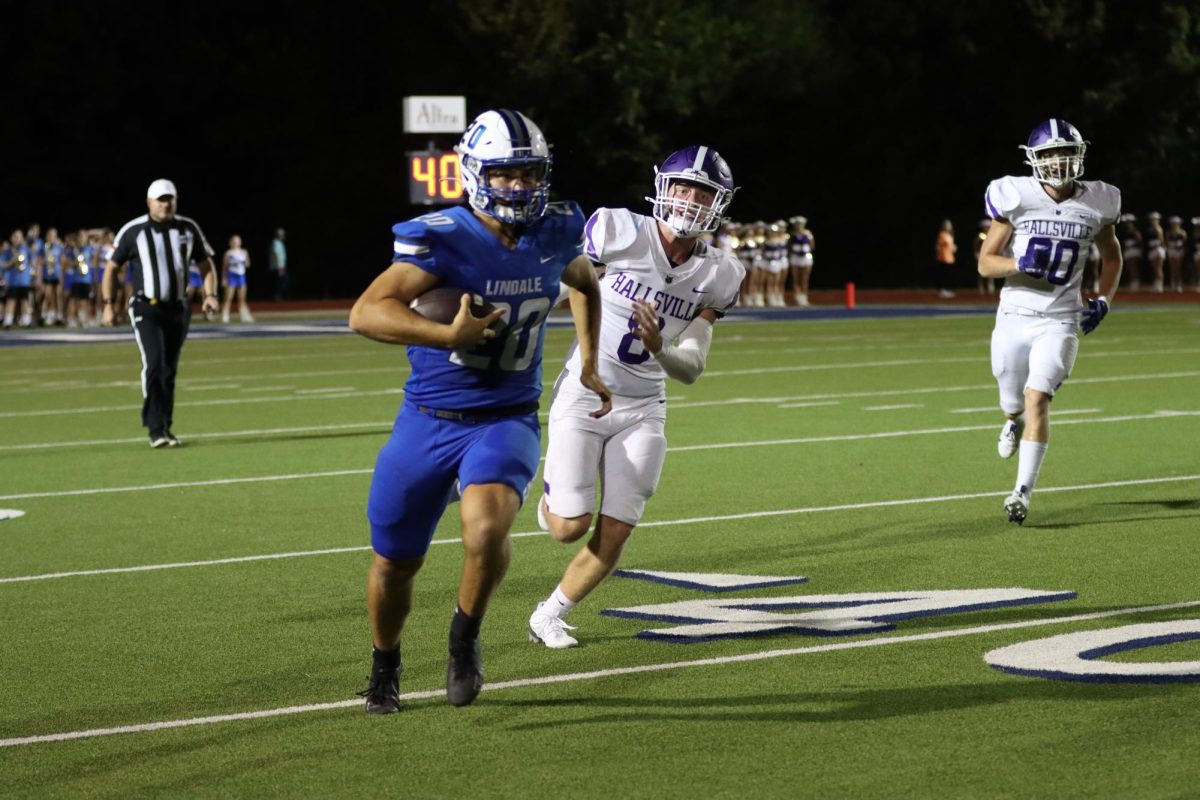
(161, 187)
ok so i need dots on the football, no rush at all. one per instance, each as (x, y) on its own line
(441, 305)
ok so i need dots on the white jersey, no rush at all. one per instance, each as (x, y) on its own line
(638, 269)
(1065, 229)
(237, 260)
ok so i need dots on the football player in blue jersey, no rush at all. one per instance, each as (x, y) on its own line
(470, 404)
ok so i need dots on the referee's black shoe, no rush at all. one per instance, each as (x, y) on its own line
(172, 439)
(464, 673)
(159, 439)
(383, 692)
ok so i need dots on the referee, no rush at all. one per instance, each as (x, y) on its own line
(158, 247)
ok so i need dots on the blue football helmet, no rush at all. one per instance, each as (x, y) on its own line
(703, 167)
(1055, 150)
(504, 138)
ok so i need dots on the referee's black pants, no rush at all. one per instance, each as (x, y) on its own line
(160, 329)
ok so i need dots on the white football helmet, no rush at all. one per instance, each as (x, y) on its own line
(500, 138)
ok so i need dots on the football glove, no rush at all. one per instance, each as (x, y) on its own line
(1035, 262)
(1095, 311)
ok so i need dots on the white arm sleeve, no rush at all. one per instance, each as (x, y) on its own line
(685, 361)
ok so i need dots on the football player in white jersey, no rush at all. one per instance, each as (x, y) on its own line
(1042, 228)
(662, 290)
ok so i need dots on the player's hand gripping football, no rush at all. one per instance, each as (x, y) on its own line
(467, 330)
(1096, 310)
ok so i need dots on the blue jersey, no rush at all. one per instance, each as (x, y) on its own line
(52, 262)
(18, 267)
(456, 247)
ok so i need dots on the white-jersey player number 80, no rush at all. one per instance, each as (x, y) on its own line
(1058, 273)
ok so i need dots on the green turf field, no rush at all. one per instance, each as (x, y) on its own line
(222, 583)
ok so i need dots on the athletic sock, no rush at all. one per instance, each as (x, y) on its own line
(557, 604)
(1029, 464)
(464, 628)
(385, 662)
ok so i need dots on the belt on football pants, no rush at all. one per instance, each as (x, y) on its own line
(1029, 312)
(473, 415)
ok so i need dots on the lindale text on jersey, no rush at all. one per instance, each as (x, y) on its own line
(1058, 228)
(514, 287)
(667, 305)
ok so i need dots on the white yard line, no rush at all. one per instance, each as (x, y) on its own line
(658, 524)
(574, 677)
(382, 426)
(673, 404)
(896, 407)
(1158, 415)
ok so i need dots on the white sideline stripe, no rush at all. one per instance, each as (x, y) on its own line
(895, 407)
(571, 677)
(923, 432)
(384, 426)
(383, 392)
(184, 484)
(683, 448)
(1058, 412)
(811, 405)
(659, 524)
(978, 387)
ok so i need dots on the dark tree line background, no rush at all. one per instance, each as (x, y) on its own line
(874, 119)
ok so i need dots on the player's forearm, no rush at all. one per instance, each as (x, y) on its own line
(1110, 277)
(392, 322)
(997, 266)
(108, 282)
(685, 362)
(585, 311)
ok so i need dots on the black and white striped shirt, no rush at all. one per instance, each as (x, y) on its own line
(159, 253)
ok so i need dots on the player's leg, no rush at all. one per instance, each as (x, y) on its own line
(633, 460)
(496, 470)
(243, 306)
(1051, 358)
(576, 444)
(408, 494)
(1010, 367)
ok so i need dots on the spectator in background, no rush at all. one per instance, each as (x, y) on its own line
(800, 258)
(944, 252)
(51, 278)
(1131, 249)
(234, 265)
(1195, 282)
(1155, 252)
(17, 263)
(279, 263)
(1177, 242)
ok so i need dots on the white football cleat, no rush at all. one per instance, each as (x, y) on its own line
(1017, 506)
(550, 631)
(543, 523)
(1010, 437)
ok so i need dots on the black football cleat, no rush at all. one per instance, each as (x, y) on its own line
(383, 692)
(464, 673)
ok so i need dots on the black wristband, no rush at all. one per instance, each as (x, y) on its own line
(108, 301)
(213, 296)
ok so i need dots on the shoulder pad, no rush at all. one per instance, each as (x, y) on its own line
(1002, 198)
(609, 233)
